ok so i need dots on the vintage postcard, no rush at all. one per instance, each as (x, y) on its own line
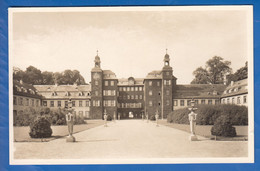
(131, 85)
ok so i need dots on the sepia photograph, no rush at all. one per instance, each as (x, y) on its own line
(131, 85)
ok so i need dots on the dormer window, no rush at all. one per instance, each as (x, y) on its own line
(31, 91)
(54, 93)
(215, 93)
(67, 93)
(48, 88)
(81, 94)
(167, 63)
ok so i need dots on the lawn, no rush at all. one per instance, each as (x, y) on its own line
(204, 130)
(21, 134)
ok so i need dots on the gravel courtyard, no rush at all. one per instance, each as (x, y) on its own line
(129, 139)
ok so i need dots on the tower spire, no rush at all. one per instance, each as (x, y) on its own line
(97, 52)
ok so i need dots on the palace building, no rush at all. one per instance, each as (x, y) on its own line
(127, 97)
(157, 92)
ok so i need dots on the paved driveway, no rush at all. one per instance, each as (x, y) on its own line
(130, 139)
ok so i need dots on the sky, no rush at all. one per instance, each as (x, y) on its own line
(130, 43)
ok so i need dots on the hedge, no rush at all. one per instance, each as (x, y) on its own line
(55, 117)
(208, 114)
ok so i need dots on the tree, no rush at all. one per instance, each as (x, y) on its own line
(214, 72)
(47, 78)
(18, 74)
(33, 75)
(201, 76)
(241, 73)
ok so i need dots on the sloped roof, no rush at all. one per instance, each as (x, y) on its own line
(236, 88)
(156, 74)
(124, 81)
(65, 88)
(198, 91)
(108, 74)
(24, 89)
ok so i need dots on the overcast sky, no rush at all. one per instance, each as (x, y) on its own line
(130, 43)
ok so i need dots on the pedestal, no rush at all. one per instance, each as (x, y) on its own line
(193, 138)
(70, 138)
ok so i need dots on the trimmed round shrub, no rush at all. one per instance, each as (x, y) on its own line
(152, 118)
(109, 118)
(223, 127)
(40, 128)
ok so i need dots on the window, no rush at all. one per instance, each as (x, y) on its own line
(158, 83)
(113, 103)
(167, 82)
(123, 105)
(67, 94)
(96, 82)
(73, 103)
(109, 92)
(120, 89)
(44, 103)
(80, 103)
(128, 96)
(238, 100)
(175, 102)
(136, 96)
(244, 99)
(113, 92)
(150, 103)
(196, 102)
(97, 103)
(150, 93)
(59, 103)
(136, 88)
(233, 100)
(96, 93)
(159, 103)
(132, 89)
(87, 114)
(132, 96)
(216, 102)
(104, 92)
(14, 101)
(87, 103)
(124, 88)
(167, 92)
(128, 89)
(150, 83)
(94, 103)
(203, 101)
(223, 101)
(140, 88)
(188, 102)
(27, 102)
(182, 102)
(52, 103)
(167, 102)
(159, 93)
(140, 97)
(105, 103)
(227, 100)
(20, 101)
(37, 103)
(112, 83)
(210, 102)
(106, 83)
